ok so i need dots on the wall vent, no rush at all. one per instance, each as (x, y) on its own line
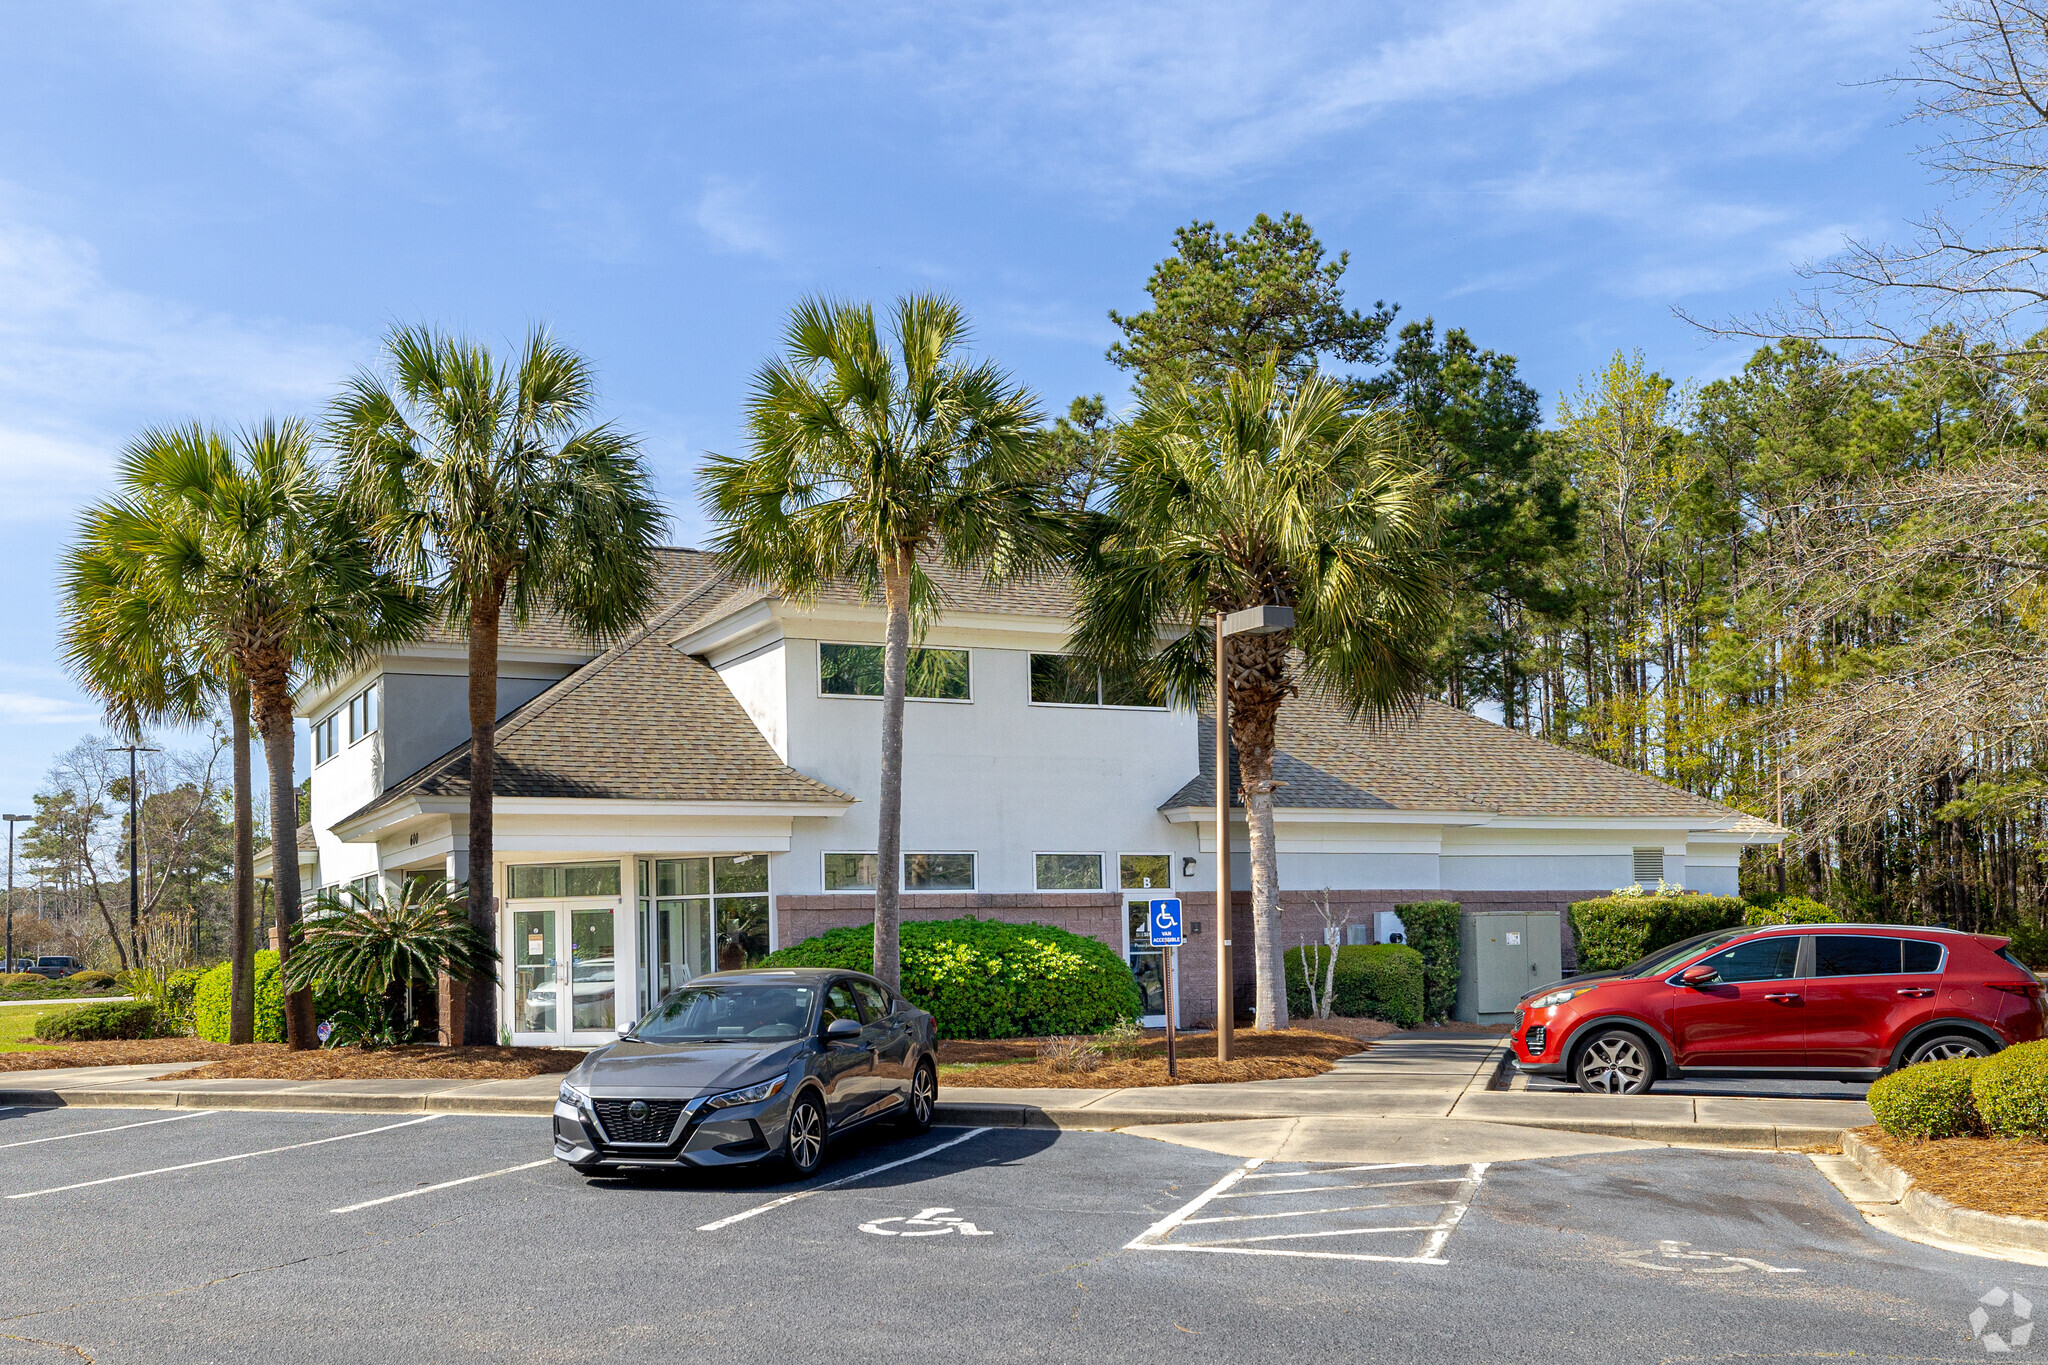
(1649, 866)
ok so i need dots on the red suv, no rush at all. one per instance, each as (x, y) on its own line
(1810, 1001)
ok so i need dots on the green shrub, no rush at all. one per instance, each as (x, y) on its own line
(1614, 931)
(213, 1001)
(1374, 981)
(1789, 909)
(16, 979)
(96, 1023)
(1931, 1100)
(2010, 1090)
(1432, 930)
(94, 980)
(987, 979)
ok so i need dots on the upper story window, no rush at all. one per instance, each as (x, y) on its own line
(856, 671)
(1061, 680)
(1144, 871)
(921, 871)
(326, 733)
(1069, 871)
(362, 713)
(563, 881)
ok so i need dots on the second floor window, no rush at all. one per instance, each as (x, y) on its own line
(325, 733)
(856, 671)
(362, 714)
(1061, 680)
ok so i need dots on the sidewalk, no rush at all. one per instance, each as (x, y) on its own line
(1420, 1079)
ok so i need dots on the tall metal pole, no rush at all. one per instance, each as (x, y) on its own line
(11, 820)
(134, 828)
(1226, 985)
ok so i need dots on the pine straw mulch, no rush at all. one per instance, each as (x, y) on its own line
(129, 1052)
(1989, 1174)
(1012, 1063)
(411, 1063)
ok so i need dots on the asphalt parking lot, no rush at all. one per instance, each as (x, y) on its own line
(142, 1235)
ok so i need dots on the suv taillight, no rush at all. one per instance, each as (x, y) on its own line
(2030, 989)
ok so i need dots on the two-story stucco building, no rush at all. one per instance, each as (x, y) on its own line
(704, 791)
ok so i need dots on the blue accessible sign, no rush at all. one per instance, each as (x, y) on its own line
(1166, 923)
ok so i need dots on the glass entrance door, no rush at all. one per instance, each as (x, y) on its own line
(1148, 964)
(564, 973)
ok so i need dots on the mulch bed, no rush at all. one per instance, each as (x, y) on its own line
(1989, 1174)
(416, 1063)
(135, 1052)
(1012, 1063)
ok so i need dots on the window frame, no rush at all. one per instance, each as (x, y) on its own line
(824, 879)
(973, 871)
(1100, 877)
(1097, 705)
(908, 695)
(1121, 855)
(325, 749)
(365, 704)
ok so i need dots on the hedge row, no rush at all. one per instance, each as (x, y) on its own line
(1432, 930)
(988, 979)
(1614, 931)
(97, 1023)
(213, 1001)
(1374, 981)
(2003, 1096)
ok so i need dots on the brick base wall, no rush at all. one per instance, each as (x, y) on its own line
(1098, 914)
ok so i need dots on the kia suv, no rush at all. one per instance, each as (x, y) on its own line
(1845, 1002)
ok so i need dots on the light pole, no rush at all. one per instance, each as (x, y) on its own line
(1266, 620)
(134, 837)
(12, 821)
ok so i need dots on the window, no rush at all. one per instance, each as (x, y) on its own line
(1061, 680)
(1649, 866)
(938, 872)
(1070, 872)
(1869, 955)
(362, 714)
(1144, 871)
(324, 734)
(1922, 956)
(710, 913)
(1760, 959)
(838, 1005)
(873, 1000)
(851, 871)
(563, 881)
(856, 671)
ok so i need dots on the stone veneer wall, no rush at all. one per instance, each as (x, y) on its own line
(1098, 915)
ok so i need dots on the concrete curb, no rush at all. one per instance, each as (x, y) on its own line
(1991, 1231)
(308, 1102)
(1762, 1135)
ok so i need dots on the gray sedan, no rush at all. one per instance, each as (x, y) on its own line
(748, 1066)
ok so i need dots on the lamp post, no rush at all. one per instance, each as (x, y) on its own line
(1267, 620)
(12, 821)
(134, 838)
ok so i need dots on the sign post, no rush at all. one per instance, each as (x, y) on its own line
(1166, 933)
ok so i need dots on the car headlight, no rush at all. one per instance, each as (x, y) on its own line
(573, 1097)
(1544, 1002)
(752, 1094)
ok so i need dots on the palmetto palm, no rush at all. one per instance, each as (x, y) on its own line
(1261, 495)
(222, 565)
(370, 946)
(871, 457)
(487, 480)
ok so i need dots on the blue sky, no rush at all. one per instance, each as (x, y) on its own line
(212, 210)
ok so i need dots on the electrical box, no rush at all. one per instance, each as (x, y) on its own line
(1502, 956)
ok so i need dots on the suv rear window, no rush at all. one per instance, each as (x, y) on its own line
(1855, 955)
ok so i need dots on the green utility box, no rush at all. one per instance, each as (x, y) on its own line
(1502, 956)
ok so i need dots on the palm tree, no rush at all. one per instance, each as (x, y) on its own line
(870, 459)
(228, 567)
(484, 479)
(1257, 495)
(378, 948)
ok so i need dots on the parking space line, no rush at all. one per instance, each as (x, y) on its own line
(1328, 1189)
(843, 1180)
(1341, 1170)
(1456, 1213)
(1302, 1236)
(1290, 1213)
(1181, 1215)
(217, 1160)
(444, 1185)
(118, 1128)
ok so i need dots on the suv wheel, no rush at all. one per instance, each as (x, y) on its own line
(805, 1146)
(1948, 1047)
(1615, 1062)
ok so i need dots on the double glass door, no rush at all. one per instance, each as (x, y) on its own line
(564, 973)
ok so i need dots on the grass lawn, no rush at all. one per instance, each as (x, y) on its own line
(17, 1022)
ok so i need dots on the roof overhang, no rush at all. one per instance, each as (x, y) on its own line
(411, 812)
(1730, 830)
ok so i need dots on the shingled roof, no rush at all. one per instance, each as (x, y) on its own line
(641, 722)
(1049, 594)
(1442, 759)
(677, 572)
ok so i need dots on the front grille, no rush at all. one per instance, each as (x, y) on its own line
(651, 1127)
(1533, 1039)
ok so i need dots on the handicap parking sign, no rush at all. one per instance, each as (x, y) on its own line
(1166, 923)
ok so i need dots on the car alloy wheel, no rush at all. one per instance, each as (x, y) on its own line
(924, 1096)
(1950, 1047)
(806, 1145)
(1615, 1063)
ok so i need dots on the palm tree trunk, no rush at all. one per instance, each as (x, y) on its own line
(889, 836)
(478, 1004)
(242, 949)
(1255, 765)
(274, 723)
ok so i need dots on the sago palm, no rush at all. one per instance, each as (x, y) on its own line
(486, 479)
(237, 563)
(872, 457)
(1257, 494)
(369, 946)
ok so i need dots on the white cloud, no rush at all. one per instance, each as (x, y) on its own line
(728, 213)
(26, 708)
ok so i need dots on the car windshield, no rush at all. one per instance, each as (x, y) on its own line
(1669, 956)
(717, 1012)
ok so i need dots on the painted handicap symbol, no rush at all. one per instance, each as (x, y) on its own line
(1670, 1255)
(936, 1222)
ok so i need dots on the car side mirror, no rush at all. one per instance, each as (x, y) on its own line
(1698, 975)
(842, 1030)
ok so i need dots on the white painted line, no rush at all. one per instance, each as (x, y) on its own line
(1324, 1189)
(1466, 1194)
(1340, 1170)
(444, 1185)
(1303, 1236)
(1173, 1220)
(843, 1180)
(1305, 1255)
(118, 1128)
(1303, 1213)
(1431, 1253)
(217, 1160)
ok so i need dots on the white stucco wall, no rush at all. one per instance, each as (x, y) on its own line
(759, 681)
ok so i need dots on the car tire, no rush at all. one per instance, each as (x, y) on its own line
(803, 1148)
(1947, 1047)
(1615, 1061)
(923, 1097)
